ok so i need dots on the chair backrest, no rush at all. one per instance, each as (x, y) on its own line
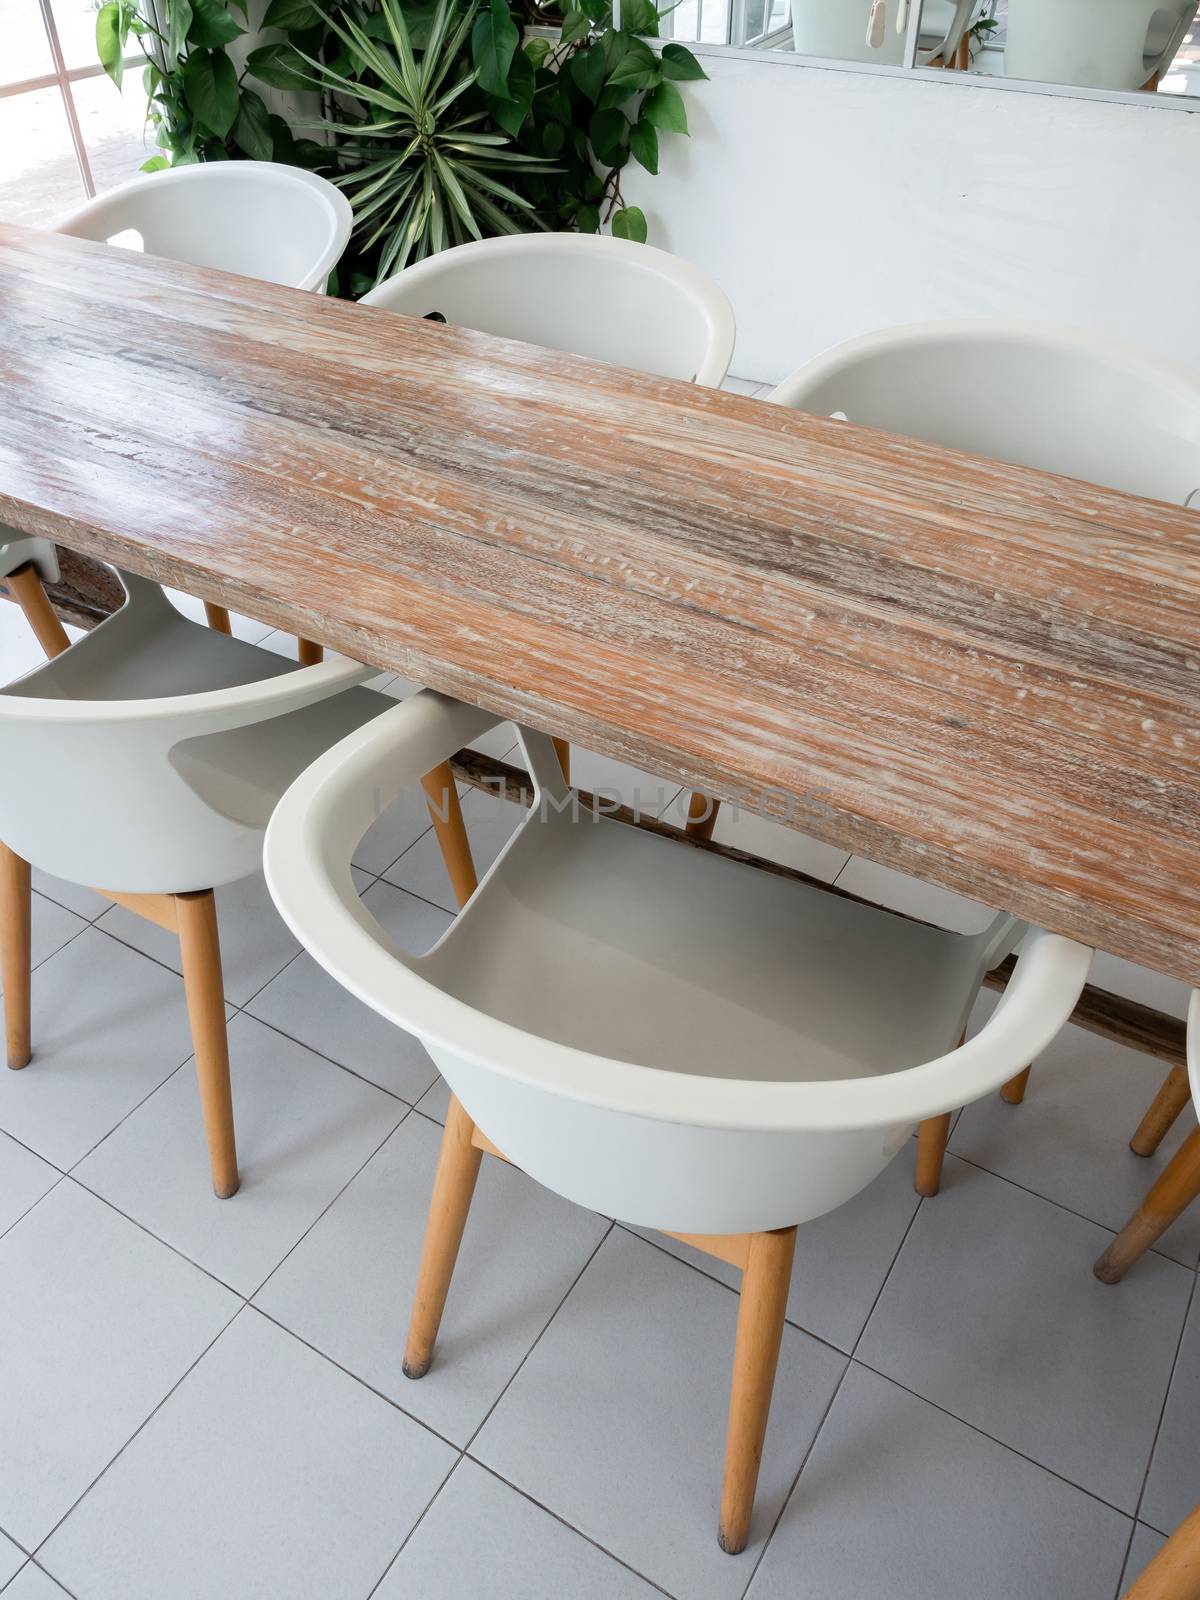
(318, 823)
(585, 294)
(115, 793)
(1101, 44)
(258, 218)
(837, 30)
(1033, 394)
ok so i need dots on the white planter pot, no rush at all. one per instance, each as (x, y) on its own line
(838, 29)
(1100, 44)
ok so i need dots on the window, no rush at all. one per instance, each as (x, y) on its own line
(66, 132)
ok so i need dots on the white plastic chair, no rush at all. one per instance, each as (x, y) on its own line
(145, 760)
(1178, 1185)
(257, 218)
(1101, 44)
(1030, 393)
(840, 30)
(669, 1037)
(585, 294)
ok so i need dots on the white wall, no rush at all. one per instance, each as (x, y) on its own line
(829, 202)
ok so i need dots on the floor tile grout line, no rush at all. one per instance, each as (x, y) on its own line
(355, 1377)
(564, 1522)
(331, 1060)
(1192, 1301)
(792, 1487)
(357, 1173)
(120, 1123)
(859, 1361)
(424, 1512)
(145, 1422)
(17, 1220)
(520, 1364)
(1059, 1205)
(158, 1239)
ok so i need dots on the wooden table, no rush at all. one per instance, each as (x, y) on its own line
(983, 675)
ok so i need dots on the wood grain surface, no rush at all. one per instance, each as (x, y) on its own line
(984, 675)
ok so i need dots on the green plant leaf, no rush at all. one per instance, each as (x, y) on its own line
(639, 16)
(112, 30)
(156, 163)
(181, 21)
(576, 25)
(280, 65)
(643, 141)
(536, 51)
(664, 108)
(679, 63)
(494, 41)
(252, 130)
(587, 219)
(638, 67)
(629, 223)
(211, 88)
(211, 24)
(587, 71)
(294, 15)
(609, 133)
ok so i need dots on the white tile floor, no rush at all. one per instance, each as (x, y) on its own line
(204, 1399)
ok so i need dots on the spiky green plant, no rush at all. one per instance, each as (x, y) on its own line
(418, 169)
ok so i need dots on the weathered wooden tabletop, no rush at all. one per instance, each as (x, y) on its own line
(986, 676)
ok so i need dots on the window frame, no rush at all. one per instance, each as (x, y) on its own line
(62, 77)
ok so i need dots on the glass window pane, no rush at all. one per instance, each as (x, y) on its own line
(115, 133)
(26, 50)
(76, 24)
(39, 175)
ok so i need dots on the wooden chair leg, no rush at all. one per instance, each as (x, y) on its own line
(1174, 1190)
(1013, 1092)
(1174, 1574)
(200, 947)
(308, 653)
(562, 749)
(765, 1283)
(217, 617)
(25, 586)
(702, 816)
(1164, 1108)
(453, 1186)
(15, 957)
(931, 1153)
(442, 797)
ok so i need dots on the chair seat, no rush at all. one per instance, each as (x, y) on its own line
(699, 964)
(150, 652)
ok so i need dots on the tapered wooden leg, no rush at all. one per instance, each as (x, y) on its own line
(1164, 1108)
(1172, 1192)
(451, 831)
(765, 1283)
(217, 617)
(201, 951)
(15, 906)
(1174, 1574)
(308, 653)
(25, 586)
(453, 1186)
(702, 816)
(931, 1153)
(1014, 1090)
(562, 749)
